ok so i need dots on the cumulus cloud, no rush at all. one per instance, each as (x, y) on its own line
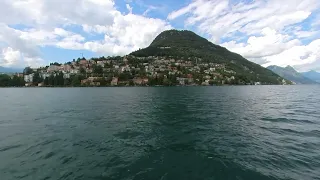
(15, 48)
(45, 22)
(269, 43)
(129, 32)
(10, 57)
(266, 32)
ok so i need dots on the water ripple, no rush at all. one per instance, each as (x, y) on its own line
(257, 132)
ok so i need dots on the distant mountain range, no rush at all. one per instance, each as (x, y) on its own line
(10, 70)
(313, 75)
(291, 74)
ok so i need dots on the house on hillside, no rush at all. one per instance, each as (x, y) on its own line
(182, 81)
(53, 68)
(114, 81)
(100, 63)
(140, 81)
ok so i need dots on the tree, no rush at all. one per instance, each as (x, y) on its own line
(59, 80)
(51, 80)
(75, 81)
(46, 81)
(4, 80)
(96, 69)
(131, 83)
(27, 71)
(125, 76)
(67, 82)
(55, 63)
(82, 70)
(37, 79)
(15, 81)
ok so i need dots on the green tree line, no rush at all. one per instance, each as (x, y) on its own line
(8, 81)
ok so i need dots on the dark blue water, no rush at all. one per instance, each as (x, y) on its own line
(248, 132)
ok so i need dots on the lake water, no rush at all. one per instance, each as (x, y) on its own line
(240, 132)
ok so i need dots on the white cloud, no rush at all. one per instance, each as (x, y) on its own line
(149, 8)
(266, 32)
(21, 47)
(15, 47)
(51, 13)
(269, 43)
(14, 58)
(10, 57)
(184, 10)
(129, 8)
(221, 18)
(129, 32)
(45, 22)
(299, 56)
(278, 49)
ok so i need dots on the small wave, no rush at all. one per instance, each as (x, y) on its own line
(44, 143)
(127, 134)
(286, 120)
(312, 133)
(10, 147)
(315, 133)
(67, 159)
(49, 155)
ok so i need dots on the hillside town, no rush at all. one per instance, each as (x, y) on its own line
(131, 71)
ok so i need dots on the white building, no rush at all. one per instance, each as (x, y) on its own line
(125, 68)
(66, 75)
(100, 63)
(74, 71)
(28, 78)
(45, 75)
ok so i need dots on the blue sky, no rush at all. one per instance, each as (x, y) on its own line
(268, 32)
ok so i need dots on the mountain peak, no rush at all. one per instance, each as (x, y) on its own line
(314, 75)
(187, 45)
(291, 74)
(173, 38)
(290, 68)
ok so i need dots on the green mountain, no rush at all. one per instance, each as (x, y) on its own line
(188, 45)
(291, 74)
(313, 75)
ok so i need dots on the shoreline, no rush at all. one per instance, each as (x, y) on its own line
(147, 86)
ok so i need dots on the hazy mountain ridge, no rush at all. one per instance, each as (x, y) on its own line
(9, 70)
(313, 75)
(291, 74)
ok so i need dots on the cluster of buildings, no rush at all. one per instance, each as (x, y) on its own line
(188, 72)
(141, 71)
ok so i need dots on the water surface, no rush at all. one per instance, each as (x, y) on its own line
(240, 132)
